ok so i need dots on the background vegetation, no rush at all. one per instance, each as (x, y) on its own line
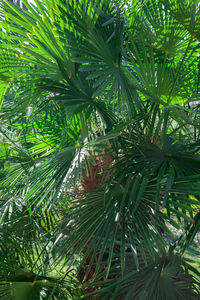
(99, 149)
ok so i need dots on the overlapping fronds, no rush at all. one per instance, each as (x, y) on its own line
(99, 148)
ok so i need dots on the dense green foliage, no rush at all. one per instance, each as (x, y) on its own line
(99, 149)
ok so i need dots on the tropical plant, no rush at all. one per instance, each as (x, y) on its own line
(99, 149)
